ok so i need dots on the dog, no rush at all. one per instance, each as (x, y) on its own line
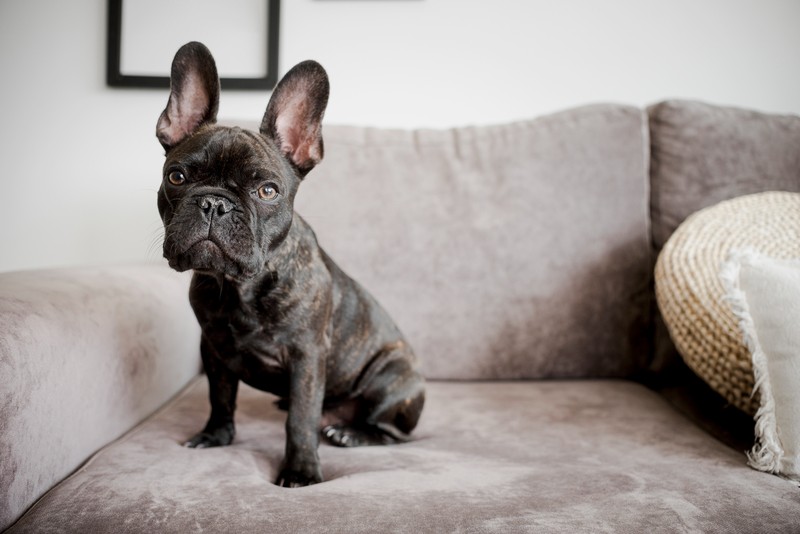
(275, 311)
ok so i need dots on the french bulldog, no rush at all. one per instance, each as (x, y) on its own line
(275, 311)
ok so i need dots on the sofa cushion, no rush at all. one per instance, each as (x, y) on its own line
(514, 251)
(555, 456)
(702, 154)
(85, 354)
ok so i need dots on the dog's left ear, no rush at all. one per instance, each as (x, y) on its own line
(194, 95)
(293, 119)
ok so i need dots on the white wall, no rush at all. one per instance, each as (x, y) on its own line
(79, 164)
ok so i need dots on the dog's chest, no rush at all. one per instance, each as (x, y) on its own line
(257, 338)
(247, 329)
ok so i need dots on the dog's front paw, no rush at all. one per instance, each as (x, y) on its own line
(218, 437)
(290, 478)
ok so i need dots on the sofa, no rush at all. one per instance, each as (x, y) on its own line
(517, 259)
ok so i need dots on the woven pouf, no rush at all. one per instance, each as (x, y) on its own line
(691, 295)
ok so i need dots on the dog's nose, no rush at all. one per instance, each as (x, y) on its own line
(215, 205)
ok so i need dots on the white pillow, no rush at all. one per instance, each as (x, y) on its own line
(765, 294)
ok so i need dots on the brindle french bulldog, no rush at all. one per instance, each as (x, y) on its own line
(275, 311)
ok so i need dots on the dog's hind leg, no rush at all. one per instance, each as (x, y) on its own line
(390, 407)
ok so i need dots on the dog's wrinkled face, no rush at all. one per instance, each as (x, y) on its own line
(227, 194)
(226, 201)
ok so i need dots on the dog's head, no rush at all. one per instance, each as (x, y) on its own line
(227, 194)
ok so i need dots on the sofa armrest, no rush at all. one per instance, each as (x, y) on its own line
(85, 354)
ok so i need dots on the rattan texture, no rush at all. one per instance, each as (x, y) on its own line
(691, 295)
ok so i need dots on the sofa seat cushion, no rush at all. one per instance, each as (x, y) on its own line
(556, 456)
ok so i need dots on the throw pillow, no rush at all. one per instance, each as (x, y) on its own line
(765, 296)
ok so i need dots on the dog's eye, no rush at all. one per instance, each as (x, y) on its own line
(267, 192)
(176, 178)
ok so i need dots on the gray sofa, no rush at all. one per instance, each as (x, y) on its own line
(518, 261)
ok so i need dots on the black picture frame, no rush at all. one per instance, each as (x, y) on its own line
(116, 78)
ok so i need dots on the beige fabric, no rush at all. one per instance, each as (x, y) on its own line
(702, 154)
(506, 457)
(511, 251)
(85, 354)
(690, 293)
(765, 294)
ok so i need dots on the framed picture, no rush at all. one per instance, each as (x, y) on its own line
(143, 36)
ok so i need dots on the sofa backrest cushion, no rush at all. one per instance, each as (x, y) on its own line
(515, 251)
(702, 154)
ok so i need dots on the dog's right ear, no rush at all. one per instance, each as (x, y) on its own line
(194, 95)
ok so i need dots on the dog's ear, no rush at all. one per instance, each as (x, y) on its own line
(293, 119)
(194, 95)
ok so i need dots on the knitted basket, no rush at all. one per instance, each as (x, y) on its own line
(690, 293)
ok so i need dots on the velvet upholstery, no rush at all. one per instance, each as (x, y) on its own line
(510, 251)
(553, 456)
(702, 154)
(515, 251)
(85, 354)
